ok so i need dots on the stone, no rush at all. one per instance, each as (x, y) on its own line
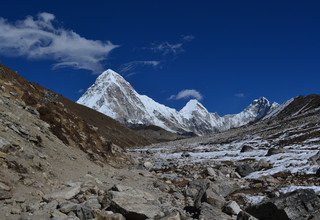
(172, 216)
(109, 216)
(273, 151)
(148, 165)
(93, 203)
(85, 213)
(33, 206)
(16, 211)
(210, 212)
(4, 187)
(162, 186)
(134, 203)
(214, 199)
(318, 172)
(185, 154)
(232, 208)
(56, 215)
(211, 172)
(67, 207)
(263, 165)
(66, 193)
(51, 206)
(246, 148)
(5, 194)
(225, 187)
(245, 216)
(196, 190)
(20, 199)
(301, 204)
(244, 170)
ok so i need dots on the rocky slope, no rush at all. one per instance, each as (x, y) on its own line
(270, 169)
(112, 95)
(267, 170)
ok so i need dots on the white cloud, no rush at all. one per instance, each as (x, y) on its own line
(39, 38)
(188, 38)
(127, 67)
(239, 95)
(187, 93)
(166, 48)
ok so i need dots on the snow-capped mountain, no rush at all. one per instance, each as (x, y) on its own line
(113, 96)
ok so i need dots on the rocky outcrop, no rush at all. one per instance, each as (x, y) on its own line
(300, 204)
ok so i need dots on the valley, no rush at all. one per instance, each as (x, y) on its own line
(62, 160)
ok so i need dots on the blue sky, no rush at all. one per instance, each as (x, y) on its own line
(231, 52)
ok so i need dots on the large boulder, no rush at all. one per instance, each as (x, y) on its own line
(211, 212)
(273, 151)
(246, 148)
(301, 204)
(63, 194)
(196, 190)
(232, 208)
(214, 199)
(134, 203)
(244, 169)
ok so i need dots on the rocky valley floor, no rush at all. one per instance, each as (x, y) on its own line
(267, 170)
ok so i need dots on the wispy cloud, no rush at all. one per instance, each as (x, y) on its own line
(167, 48)
(133, 65)
(39, 38)
(239, 95)
(188, 38)
(187, 93)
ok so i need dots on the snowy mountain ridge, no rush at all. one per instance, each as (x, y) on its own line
(113, 96)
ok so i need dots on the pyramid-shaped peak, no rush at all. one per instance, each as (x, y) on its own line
(193, 105)
(110, 75)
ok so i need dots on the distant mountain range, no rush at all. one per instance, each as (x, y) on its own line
(113, 96)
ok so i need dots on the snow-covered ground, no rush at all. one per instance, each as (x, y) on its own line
(294, 158)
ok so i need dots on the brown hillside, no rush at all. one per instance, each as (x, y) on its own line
(74, 124)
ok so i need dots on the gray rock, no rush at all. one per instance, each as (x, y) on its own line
(226, 187)
(67, 207)
(66, 193)
(244, 169)
(16, 210)
(148, 165)
(246, 148)
(93, 203)
(109, 216)
(4, 187)
(85, 213)
(134, 203)
(172, 216)
(196, 190)
(51, 206)
(5, 194)
(56, 215)
(301, 204)
(232, 208)
(245, 216)
(214, 199)
(273, 151)
(185, 154)
(209, 212)
(33, 206)
(211, 172)
(318, 172)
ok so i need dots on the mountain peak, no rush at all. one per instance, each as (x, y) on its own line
(110, 75)
(192, 106)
